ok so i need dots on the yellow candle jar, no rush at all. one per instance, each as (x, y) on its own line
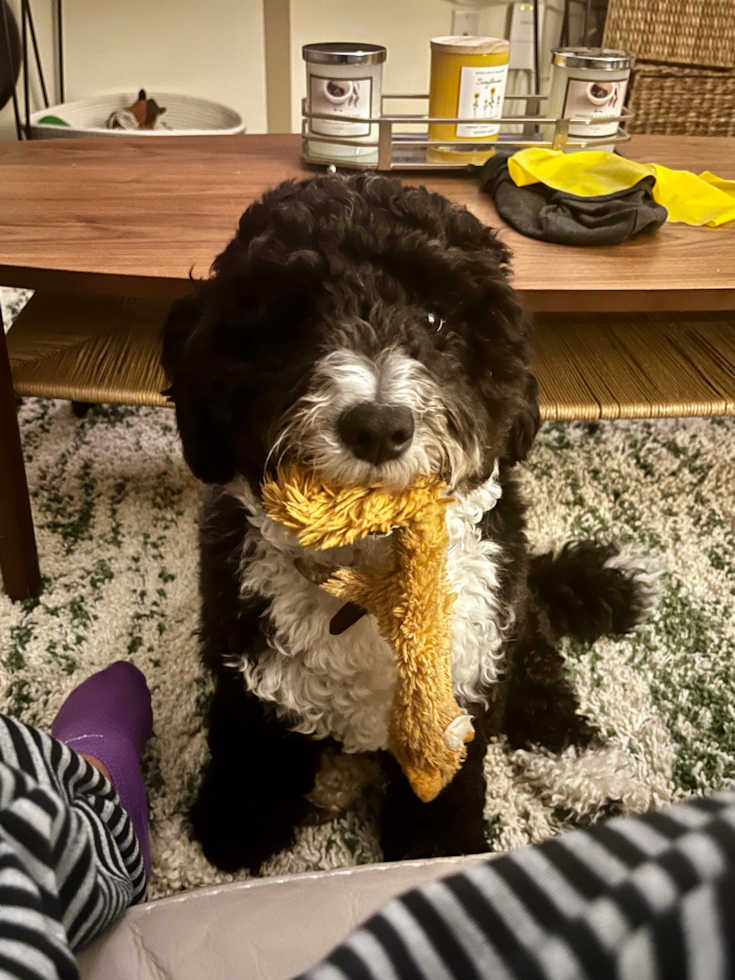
(468, 78)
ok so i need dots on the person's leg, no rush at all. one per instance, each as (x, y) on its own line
(108, 720)
(60, 882)
(650, 896)
(70, 861)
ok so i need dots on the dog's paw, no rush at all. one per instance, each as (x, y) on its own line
(431, 830)
(239, 829)
(430, 843)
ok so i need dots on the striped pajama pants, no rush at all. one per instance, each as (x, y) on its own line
(69, 859)
(647, 898)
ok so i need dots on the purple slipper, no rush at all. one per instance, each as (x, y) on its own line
(109, 717)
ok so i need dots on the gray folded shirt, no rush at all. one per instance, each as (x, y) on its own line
(548, 215)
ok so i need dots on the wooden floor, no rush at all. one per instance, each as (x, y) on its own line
(102, 349)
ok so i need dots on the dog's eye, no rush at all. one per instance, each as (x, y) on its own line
(434, 322)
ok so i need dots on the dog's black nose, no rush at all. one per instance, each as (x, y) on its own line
(377, 433)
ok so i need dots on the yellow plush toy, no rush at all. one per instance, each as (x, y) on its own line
(410, 599)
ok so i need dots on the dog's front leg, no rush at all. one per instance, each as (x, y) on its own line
(451, 824)
(252, 797)
(542, 705)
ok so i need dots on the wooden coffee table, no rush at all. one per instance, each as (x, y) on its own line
(107, 231)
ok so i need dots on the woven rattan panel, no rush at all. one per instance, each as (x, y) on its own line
(89, 348)
(682, 32)
(669, 101)
(635, 365)
(98, 349)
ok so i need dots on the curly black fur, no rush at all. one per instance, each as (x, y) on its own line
(356, 264)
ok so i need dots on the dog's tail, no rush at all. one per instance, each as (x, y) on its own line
(588, 589)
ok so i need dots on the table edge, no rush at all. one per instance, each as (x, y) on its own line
(604, 299)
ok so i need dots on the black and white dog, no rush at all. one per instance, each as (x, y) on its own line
(367, 330)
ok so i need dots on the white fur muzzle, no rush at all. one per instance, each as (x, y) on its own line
(342, 686)
(343, 379)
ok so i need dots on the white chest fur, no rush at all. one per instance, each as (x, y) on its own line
(342, 686)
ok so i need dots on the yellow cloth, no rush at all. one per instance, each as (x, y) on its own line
(694, 200)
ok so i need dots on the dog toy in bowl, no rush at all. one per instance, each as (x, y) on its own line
(409, 597)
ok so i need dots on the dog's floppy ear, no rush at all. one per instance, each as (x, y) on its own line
(525, 424)
(205, 450)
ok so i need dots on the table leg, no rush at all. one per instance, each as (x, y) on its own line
(18, 555)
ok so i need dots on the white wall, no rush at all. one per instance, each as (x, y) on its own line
(214, 48)
(209, 48)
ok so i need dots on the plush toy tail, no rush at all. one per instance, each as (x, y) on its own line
(428, 732)
(410, 599)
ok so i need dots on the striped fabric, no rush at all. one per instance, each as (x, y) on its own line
(69, 860)
(633, 898)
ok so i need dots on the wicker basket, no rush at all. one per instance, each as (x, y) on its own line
(184, 116)
(681, 32)
(674, 101)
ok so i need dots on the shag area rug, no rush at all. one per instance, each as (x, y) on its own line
(116, 515)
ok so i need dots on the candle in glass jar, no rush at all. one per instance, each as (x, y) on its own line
(589, 83)
(343, 79)
(468, 79)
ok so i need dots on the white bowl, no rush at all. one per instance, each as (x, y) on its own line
(185, 116)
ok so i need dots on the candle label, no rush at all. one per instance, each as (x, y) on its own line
(481, 92)
(587, 99)
(340, 97)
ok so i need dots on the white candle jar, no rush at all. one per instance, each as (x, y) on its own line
(588, 83)
(344, 79)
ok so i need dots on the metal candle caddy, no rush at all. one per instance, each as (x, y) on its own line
(408, 151)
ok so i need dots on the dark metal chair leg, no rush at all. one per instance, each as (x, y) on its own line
(18, 554)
